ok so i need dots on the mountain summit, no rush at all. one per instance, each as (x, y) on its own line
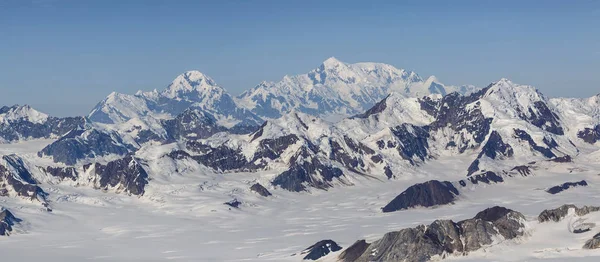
(336, 89)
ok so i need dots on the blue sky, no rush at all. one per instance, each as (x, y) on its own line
(63, 57)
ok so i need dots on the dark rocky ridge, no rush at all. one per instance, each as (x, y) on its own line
(7, 221)
(494, 148)
(430, 193)
(261, 190)
(26, 186)
(590, 135)
(24, 129)
(377, 108)
(192, 124)
(557, 189)
(413, 142)
(452, 112)
(125, 174)
(440, 238)
(321, 249)
(559, 213)
(353, 252)
(546, 151)
(233, 203)
(61, 172)
(546, 119)
(307, 170)
(593, 243)
(80, 144)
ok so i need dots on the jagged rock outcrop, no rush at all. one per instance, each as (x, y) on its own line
(7, 221)
(320, 249)
(413, 142)
(557, 189)
(122, 175)
(192, 123)
(487, 178)
(221, 158)
(307, 170)
(233, 203)
(63, 173)
(559, 213)
(545, 151)
(562, 159)
(494, 148)
(260, 189)
(524, 170)
(430, 193)
(82, 143)
(354, 251)
(590, 135)
(17, 181)
(463, 115)
(593, 243)
(441, 237)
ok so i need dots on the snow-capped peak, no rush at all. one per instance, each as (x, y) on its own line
(507, 90)
(190, 81)
(332, 62)
(24, 112)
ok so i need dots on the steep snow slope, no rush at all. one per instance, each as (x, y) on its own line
(337, 89)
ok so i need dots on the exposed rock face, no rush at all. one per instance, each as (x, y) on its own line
(487, 178)
(80, 144)
(593, 243)
(125, 174)
(562, 159)
(544, 118)
(272, 149)
(7, 221)
(413, 142)
(442, 237)
(430, 193)
(557, 189)
(546, 151)
(523, 170)
(453, 113)
(19, 168)
(320, 249)
(220, 158)
(62, 172)
(559, 213)
(192, 124)
(20, 183)
(377, 108)
(590, 135)
(307, 170)
(353, 252)
(495, 147)
(261, 190)
(233, 203)
(24, 122)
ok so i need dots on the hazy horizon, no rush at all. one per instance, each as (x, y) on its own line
(63, 57)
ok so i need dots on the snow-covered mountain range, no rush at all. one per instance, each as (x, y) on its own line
(276, 143)
(336, 89)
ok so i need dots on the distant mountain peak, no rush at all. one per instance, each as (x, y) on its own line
(332, 62)
(190, 81)
(22, 112)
